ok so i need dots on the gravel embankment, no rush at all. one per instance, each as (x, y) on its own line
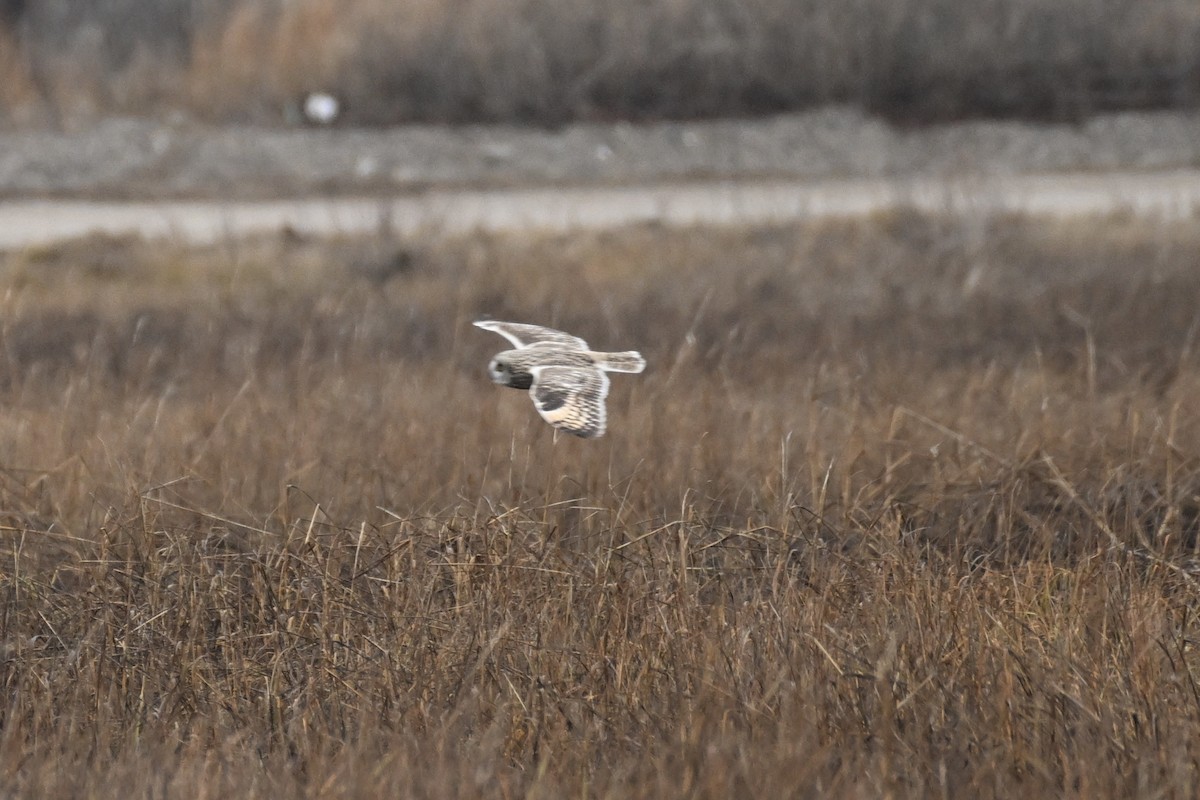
(140, 159)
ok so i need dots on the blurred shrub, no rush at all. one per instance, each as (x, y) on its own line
(548, 61)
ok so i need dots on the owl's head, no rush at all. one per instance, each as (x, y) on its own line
(505, 371)
(500, 370)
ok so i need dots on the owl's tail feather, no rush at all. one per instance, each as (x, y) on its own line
(629, 361)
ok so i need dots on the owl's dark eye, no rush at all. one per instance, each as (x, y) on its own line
(500, 367)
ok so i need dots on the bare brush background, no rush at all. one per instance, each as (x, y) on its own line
(548, 61)
(902, 507)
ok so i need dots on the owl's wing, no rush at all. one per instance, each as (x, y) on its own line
(522, 335)
(571, 398)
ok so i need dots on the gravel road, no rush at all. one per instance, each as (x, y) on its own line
(1165, 194)
(200, 184)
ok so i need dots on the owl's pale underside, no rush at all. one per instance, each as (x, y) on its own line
(566, 380)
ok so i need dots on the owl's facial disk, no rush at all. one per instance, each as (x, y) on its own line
(499, 370)
(505, 373)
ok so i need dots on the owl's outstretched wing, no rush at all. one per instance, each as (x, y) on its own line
(571, 398)
(523, 335)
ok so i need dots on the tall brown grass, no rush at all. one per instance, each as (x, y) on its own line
(904, 507)
(548, 61)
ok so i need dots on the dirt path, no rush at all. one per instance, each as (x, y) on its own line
(1171, 194)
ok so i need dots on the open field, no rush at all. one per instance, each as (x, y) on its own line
(550, 61)
(902, 507)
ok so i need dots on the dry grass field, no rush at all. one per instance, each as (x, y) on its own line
(549, 61)
(902, 507)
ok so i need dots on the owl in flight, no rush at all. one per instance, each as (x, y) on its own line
(565, 379)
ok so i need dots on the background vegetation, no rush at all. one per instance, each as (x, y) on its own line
(902, 507)
(549, 61)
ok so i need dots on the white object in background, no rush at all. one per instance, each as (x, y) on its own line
(321, 108)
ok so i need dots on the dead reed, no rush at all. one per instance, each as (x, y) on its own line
(904, 507)
(549, 61)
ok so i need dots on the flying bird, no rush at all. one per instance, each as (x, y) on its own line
(566, 380)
